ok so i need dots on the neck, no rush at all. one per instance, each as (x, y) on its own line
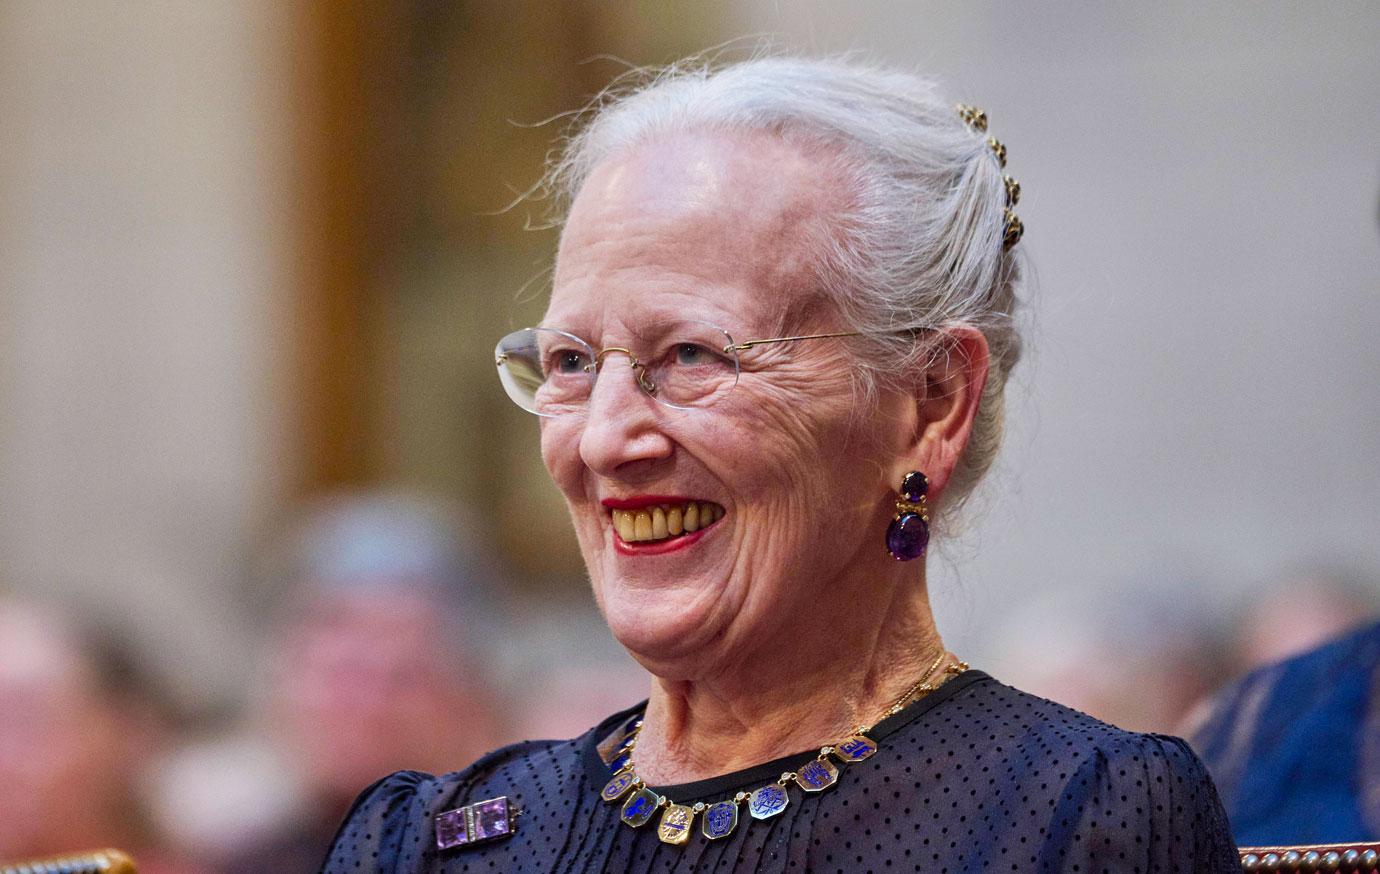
(795, 695)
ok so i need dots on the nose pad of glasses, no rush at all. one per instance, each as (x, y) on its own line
(644, 380)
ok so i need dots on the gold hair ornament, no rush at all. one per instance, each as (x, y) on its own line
(1012, 228)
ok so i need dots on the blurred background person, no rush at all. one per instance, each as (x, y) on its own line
(81, 726)
(1298, 611)
(378, 659)
(1157, 646)
(1294, 745)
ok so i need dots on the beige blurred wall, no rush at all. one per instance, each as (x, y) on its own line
(143, 260)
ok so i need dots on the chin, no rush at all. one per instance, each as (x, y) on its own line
(664, 627)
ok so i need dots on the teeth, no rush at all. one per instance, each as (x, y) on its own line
(623, 521)
(659, 523)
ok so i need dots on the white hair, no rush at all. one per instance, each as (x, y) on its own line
(921, 246)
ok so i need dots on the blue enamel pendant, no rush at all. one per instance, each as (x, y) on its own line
(675, 825)
(720, 820)
(768, 801)
(618, 740)
(817, 775)
(855, 749)
(615, 788)
(640, 806)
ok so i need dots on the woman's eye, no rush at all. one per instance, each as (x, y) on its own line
(570, 361)
(693, 353)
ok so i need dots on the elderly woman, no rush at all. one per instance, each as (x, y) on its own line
(778, 334)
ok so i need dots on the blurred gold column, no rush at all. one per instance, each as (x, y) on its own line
(342, 58)
(408, 268)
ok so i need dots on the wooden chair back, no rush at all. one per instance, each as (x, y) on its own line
(1305, 859)
(98, 862)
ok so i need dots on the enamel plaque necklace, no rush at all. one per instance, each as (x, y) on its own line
(721, 818)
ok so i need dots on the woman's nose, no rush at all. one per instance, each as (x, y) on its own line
(623, 422)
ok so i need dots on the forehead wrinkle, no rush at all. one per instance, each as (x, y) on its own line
(662, 295)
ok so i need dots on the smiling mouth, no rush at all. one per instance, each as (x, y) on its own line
(664, 522)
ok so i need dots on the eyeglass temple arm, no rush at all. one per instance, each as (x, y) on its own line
(738, 347)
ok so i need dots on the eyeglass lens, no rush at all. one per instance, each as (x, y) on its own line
(682, 364)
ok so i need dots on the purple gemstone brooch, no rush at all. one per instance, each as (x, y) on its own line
(476, 823)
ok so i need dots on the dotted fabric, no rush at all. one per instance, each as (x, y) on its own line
(976, 777)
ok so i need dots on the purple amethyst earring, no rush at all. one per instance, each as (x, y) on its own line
(909, 531)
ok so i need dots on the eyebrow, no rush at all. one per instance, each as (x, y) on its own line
(638, 330)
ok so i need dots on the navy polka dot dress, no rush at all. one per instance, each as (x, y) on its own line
(976, 777)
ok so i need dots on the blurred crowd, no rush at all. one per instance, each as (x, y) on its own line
(384, 648)
(388, 646)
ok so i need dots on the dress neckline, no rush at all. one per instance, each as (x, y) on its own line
(598, 772)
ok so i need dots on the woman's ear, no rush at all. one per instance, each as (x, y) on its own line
(945, 405)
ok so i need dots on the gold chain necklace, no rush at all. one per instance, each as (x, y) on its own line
(721, 818)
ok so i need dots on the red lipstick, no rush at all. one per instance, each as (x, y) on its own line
(657, 547)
